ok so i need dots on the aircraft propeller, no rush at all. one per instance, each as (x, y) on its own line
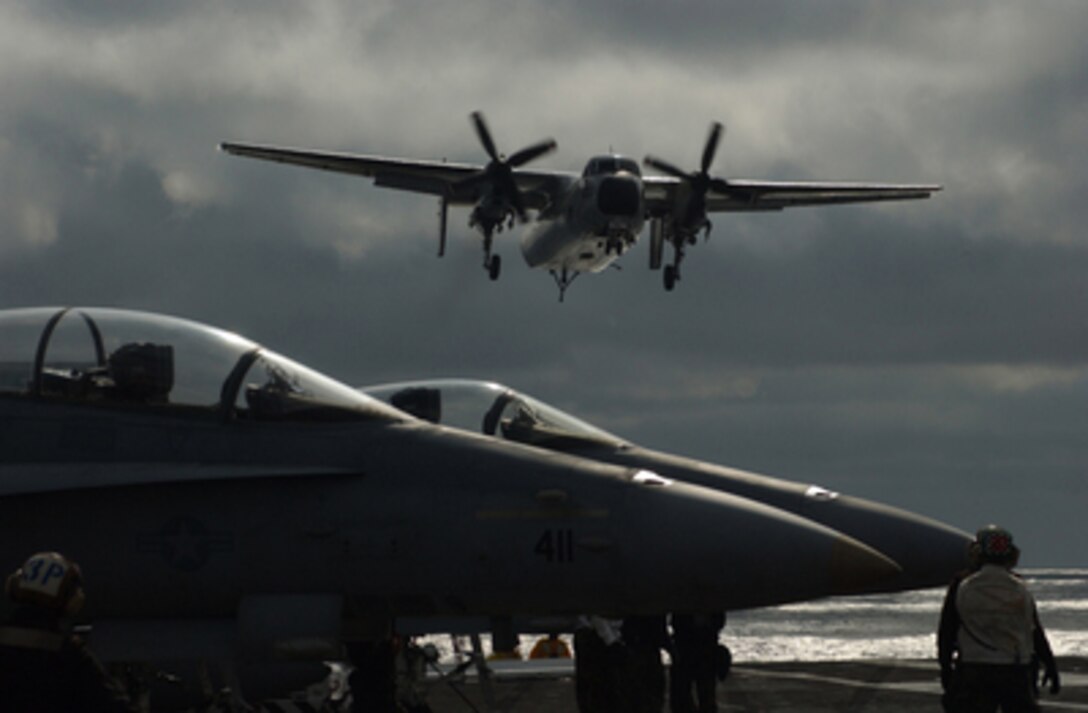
(689, 214)
(499, 172)
(699, 183)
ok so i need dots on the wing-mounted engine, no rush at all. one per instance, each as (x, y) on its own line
(688, 216)
(500, 201)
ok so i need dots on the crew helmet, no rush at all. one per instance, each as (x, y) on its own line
(49, 580)
(994, 545)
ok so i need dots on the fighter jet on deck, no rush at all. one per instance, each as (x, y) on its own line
(928, 552)
(225, 501)
(583, 223)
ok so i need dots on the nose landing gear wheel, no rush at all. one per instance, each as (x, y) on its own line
(671, 275)
(493, 267)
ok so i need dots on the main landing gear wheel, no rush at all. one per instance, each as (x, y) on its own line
(671, 275)
(493, 267)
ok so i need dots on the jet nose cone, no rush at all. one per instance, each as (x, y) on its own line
(931, 555)
(928, 552)
(856, 568)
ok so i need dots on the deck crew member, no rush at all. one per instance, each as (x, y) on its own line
(696, 662)
(43, 668)
(645, 637)
(550, 647)
(995, 622)
(599, 659)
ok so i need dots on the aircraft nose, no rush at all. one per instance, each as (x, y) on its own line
(741, 553)
(928, 552)
(855, 568)
(619, 195)
(799, 559)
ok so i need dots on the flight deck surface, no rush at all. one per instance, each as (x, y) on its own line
(884, 686)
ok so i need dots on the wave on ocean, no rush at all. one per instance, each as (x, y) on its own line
(895, 626)
(883, 626)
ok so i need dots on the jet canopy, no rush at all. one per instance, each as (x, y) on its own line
(492, 409)
(125, 359)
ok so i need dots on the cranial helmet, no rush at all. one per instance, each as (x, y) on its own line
(49, 580)
(994, 545)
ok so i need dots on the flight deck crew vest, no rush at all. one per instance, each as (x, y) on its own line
(550, 649)
(996, 618)
(44, 670)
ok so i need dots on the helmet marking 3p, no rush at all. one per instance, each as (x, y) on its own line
(47, 579)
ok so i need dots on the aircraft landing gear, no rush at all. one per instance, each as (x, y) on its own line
(671, 276)
(492, 263)
(563, 280)
(373, 680)
(672, 272)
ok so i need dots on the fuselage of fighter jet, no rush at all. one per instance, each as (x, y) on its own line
(198, 477)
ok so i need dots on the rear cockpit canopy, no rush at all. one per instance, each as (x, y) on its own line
(611, 164)
(492, 409)
(120, 358)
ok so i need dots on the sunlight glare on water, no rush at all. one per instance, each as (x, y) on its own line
(884, 626)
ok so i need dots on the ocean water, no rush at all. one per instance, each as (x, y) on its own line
(895, 626)
(885, 626)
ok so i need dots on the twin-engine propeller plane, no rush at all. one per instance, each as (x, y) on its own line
(583, 223)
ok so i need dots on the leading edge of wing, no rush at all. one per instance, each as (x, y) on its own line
(422, 175)
(749, 194)
(418, 175)
(817, 190)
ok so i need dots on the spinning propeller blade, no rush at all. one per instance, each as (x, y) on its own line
(700, 182)
(499, 171)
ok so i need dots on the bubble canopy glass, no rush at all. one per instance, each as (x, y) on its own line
(113, 357)
(492, 409)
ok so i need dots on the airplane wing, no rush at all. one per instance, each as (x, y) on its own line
(757, 195)
(438, 178)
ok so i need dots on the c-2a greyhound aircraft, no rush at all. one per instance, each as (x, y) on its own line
(228, 503)
(584, 222)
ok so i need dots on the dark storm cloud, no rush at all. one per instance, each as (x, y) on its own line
(104, 13)
(932, 354)
(703, 29)
(98, 14)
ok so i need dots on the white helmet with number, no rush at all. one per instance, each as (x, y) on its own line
(49, 580)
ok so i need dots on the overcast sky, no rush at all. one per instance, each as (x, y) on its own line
(932, 355)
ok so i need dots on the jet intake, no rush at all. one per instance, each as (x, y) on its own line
(618, 195)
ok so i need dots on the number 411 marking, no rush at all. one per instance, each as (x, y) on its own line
(556, 546)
